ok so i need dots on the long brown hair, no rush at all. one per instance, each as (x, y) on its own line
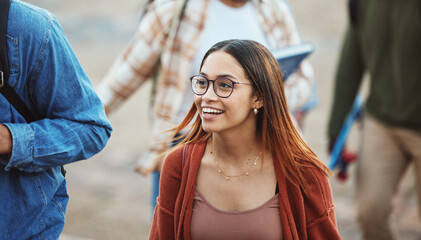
(274, 124)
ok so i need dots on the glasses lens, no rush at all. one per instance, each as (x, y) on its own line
(199, 84)
(224, 87)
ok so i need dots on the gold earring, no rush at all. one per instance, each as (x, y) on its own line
(255, 111)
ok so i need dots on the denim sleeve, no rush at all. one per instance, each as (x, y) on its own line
(73, 125)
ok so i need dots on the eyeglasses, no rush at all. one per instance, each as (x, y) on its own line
(222, 86)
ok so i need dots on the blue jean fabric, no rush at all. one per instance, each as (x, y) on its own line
(156, 177)
(72, 125)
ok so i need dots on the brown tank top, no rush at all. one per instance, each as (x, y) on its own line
(208, 222)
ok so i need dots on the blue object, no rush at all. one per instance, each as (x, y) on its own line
(156, 175)
(354, 113)
(47, 76)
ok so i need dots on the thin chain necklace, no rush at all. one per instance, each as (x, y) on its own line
(237, 177)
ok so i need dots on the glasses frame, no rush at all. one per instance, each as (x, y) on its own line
(213, 83)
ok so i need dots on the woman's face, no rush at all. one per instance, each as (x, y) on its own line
(234, 112)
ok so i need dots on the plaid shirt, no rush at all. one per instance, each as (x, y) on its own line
(155, 49)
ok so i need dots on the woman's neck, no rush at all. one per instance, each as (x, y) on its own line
(234, 148)
(234, 3)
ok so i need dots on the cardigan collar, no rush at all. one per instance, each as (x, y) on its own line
(192, 163)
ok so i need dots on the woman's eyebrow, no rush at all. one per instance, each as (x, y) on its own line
(219, 75)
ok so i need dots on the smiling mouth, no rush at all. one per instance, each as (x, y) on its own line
(211, 111)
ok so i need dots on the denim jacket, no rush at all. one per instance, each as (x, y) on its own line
(46, 74)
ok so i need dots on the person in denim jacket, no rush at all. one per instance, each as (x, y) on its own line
(72, 125)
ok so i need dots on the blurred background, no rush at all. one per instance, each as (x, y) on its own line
(108, 200)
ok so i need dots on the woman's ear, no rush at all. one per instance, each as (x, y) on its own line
(258, 103)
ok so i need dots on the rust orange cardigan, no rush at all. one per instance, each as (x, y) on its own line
(303, 217)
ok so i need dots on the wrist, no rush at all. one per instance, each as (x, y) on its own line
(6, 143)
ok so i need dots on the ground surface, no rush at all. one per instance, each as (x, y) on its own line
(108, 200)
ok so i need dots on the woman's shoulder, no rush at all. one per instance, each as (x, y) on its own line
(176, 154)
(173, 162)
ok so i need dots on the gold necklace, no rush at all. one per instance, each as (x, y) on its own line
(228, 177)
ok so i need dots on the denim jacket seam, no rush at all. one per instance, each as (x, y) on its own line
(41, 191)
(31, 135)
(14, 64)
(59, 206)
(41, 236)
(33, 75)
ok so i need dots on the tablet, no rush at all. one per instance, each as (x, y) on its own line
(289, 58)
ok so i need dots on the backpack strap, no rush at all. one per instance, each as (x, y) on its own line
(11, 96)
(4, 66)
(183, 160)
(5, 89)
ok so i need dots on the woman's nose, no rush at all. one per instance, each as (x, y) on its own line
(210, 93)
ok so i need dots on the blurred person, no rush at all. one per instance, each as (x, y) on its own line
(70, 124)
(300, 114)
(242, 170)
(382, 40)
(170, 41)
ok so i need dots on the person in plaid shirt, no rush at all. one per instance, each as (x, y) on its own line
(169, 43)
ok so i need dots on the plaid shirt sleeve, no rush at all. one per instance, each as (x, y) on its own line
(138, 61)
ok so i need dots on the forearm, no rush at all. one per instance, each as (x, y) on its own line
(49, 143)
(5, 140)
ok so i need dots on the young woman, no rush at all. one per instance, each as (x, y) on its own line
(242, 170)
(169, 44)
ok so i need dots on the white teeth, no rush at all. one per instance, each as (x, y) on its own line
(211, 110)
